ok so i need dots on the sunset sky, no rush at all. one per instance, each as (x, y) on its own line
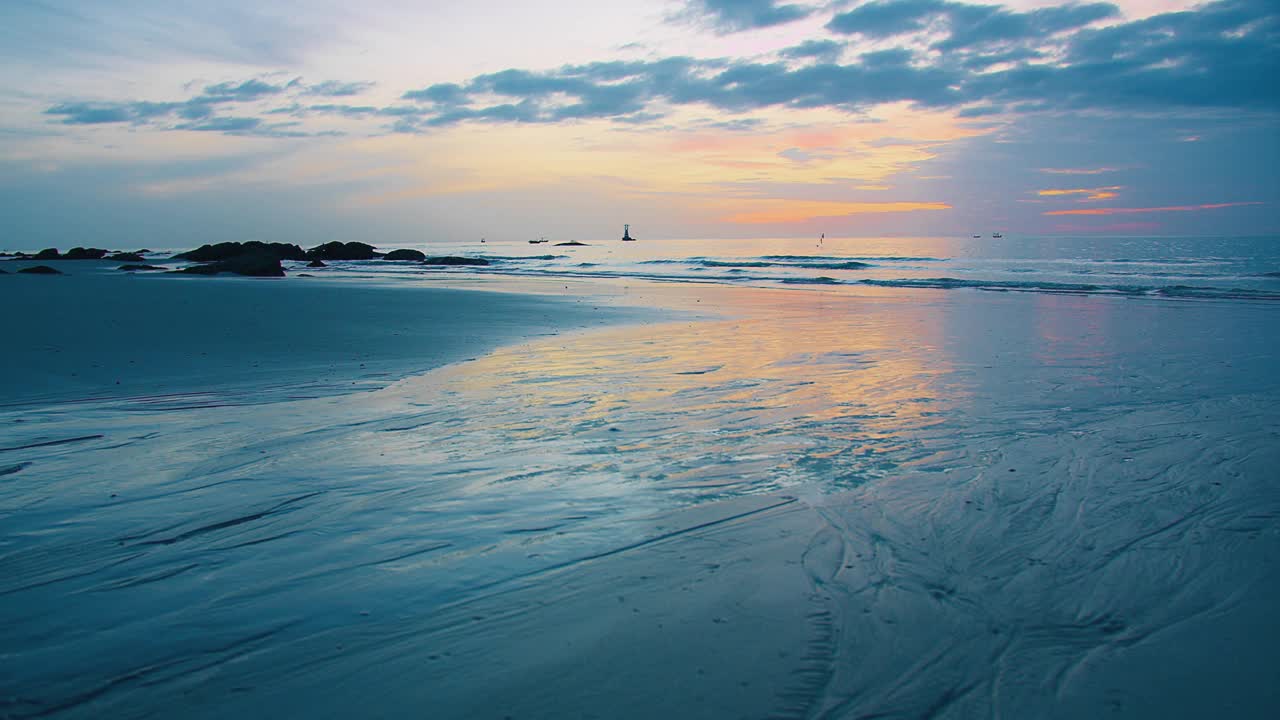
(170, 123)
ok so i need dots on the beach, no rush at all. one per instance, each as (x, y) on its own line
(463, 495)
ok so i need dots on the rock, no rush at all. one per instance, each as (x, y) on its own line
(48, 254)
(571, 242)
(405, 255)
(261, 265)
(126, 257)
(230, 250)
(79, 253)
(316, 263)
(40, 270)
(454, 260)
(342, 251)
(131, 268)
(305, 275)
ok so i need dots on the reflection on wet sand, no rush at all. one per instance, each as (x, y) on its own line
(811, 505)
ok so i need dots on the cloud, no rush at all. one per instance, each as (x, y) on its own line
(1142, 211)
(246, 91)
(623, 89)
(984, 60)
(1221, 55)
(1079, 171)
(224, 124)
(441, 93)
(827, 51)
(885, 19)
(89, 113)
(730, 16)
(201, 110)
(333, 88)
(1102, 193)
(981, 111)
(966, 25)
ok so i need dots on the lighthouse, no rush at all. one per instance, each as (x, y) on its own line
(626, 232)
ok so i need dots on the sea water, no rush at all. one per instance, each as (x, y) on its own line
(1178, 266)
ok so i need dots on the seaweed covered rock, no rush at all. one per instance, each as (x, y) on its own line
(40, 270)
(231, 250)
(48, 254)
(126, 257)
(405, 255)
(260, 265)
(342, 251)
(454, 260)
(132, 268)
(316, 263)
(80, 253)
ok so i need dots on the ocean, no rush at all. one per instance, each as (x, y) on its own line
(1208, 267)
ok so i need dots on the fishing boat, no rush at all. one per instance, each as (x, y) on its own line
(996, 235)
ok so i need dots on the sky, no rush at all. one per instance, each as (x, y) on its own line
(170, 123)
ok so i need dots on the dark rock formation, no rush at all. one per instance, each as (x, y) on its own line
(316, 263)
(40, 270)
(342, 251)
(261, 265)
(48, 254)
(454, 260)
(131, 268)
(79, 253)
(571, 242)
(126, 257)
(230, 250)
(405, 255)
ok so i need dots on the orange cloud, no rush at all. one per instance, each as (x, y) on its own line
(785, 211)
(1102, 193)
(1136, 211)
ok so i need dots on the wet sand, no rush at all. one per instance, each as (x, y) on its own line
(803, 504)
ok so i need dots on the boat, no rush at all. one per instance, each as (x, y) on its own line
(996, 235)
(626, 234)
(539, 241)
(977, 236)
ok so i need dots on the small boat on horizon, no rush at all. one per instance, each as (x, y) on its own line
(538, 241)
(996, 235)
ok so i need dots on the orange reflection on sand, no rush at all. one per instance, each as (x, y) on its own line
(800, 382)
(1072, 332)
